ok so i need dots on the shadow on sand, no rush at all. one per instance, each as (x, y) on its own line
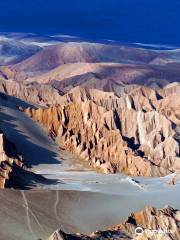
(34, 153)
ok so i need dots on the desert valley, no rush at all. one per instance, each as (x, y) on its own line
(89, 140)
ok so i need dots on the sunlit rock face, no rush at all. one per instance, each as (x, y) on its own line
(134, 134)
(152, 223)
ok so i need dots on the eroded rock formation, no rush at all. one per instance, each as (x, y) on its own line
(150, 224)
(31, 92)
(131, 134)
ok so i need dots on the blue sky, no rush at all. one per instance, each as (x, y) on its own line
(147, 21)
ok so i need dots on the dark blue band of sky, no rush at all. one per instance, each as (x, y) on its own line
(149, 21)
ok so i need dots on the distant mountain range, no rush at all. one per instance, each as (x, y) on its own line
(55, 58)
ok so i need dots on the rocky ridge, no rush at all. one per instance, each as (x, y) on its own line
(34, 93)
(135, 133)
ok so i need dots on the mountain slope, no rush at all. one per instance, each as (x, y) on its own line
(12, 52)
(54, 56)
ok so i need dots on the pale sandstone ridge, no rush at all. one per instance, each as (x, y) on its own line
(133, 134)
(163, 224)
(9, 160)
